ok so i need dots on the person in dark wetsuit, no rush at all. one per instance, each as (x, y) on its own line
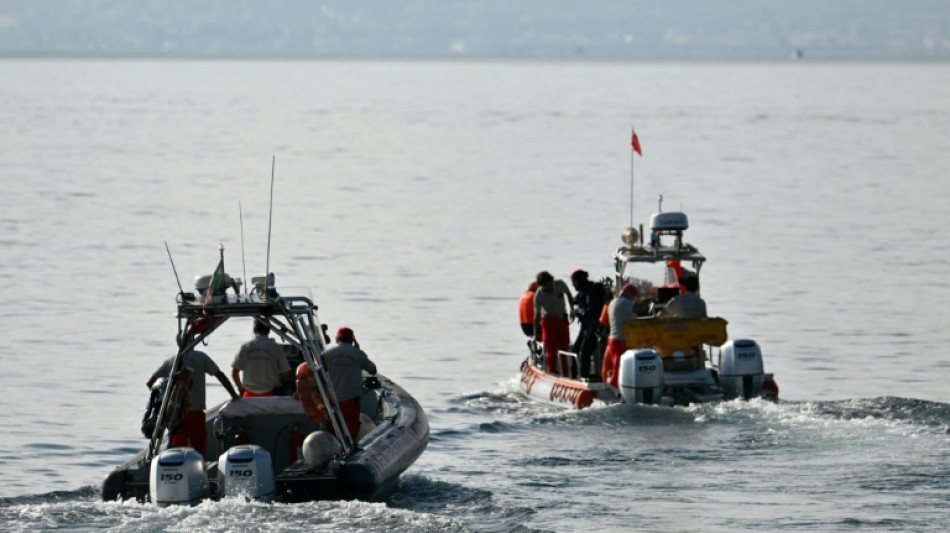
(589, 302)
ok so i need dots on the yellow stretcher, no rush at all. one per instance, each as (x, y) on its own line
(668, 335)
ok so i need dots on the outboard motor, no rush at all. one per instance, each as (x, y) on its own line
(741, 371)
(178, 477)
(641, 377)
(246, 470)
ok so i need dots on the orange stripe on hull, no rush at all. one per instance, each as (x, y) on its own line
(562, 390)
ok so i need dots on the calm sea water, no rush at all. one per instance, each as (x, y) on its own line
(417, 200)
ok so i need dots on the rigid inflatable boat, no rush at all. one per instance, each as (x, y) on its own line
(669, 360)
(271, 448)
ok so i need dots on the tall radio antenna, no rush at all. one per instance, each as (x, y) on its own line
(243, 262)
(270, 216)
(175, 270)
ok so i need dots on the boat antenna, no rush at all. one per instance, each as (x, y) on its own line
(635, 145)
(243, 262)
(175, 270)
(270, 216)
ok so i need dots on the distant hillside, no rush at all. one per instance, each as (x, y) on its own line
(637, 29)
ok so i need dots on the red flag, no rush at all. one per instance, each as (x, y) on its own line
(635, 143)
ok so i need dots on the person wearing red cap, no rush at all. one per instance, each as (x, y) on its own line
(620, 311)
(345, 364)
(551, 321)
(526, 309)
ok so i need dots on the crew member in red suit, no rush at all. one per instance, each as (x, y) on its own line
(551, 321)
(345, 364)
(619, 312)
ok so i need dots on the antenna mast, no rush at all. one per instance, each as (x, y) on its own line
(270, 216)
(175, 270)
(243, 262)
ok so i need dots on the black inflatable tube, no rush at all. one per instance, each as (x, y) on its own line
(391, 447)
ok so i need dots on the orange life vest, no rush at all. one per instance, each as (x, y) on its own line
(309, 395)
(526, 308)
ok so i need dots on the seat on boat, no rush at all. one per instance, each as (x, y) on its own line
(669, 335)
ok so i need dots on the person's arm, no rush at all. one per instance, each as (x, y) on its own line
(161, 372)
(236, 376)
(368, 366)
(567, 292)
(227, 384)
(285, 378)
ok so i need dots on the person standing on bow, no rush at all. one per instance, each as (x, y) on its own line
(192, 431)
(263, 363)
(589, 301)
(345, 364)
(551, 321)
(526, 309)
(619, 312)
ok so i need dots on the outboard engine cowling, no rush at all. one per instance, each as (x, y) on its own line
(641, 377)
(178, 476)
(741, 370)
(246, 470)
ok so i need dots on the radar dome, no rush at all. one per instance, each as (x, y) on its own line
(629, 236)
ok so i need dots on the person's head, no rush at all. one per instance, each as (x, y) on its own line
(545, 280)
(533, 287)
(629, 292)
(579, 278)
(261, 328)
(690, 283)
(345, 334)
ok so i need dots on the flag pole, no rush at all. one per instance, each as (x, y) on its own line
(632, 136)
(634, 149)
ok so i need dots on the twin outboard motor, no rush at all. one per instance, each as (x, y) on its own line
(741, 371)
(246, 471)
(178, 477)
(641, 377)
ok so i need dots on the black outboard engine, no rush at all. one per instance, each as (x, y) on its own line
(741, 371)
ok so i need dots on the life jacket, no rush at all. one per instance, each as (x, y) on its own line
(526, 308)
(676, 269)
(309, 395)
